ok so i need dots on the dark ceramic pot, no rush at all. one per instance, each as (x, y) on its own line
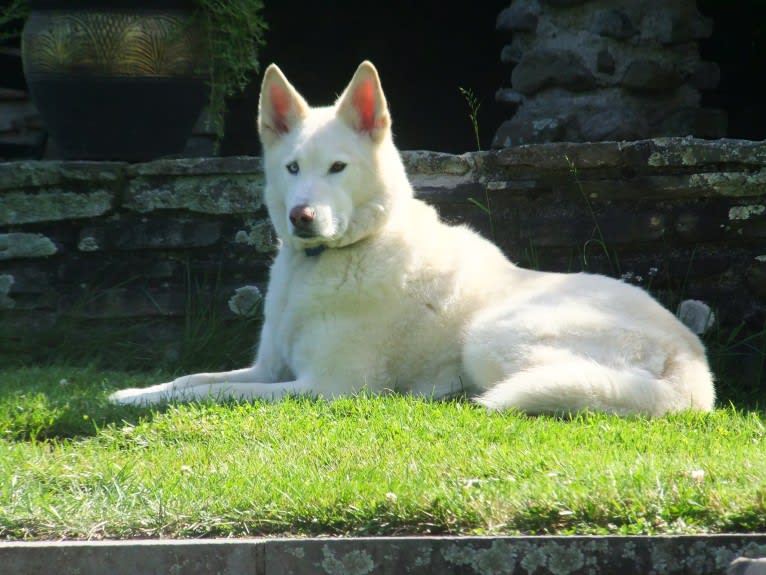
(116, 79)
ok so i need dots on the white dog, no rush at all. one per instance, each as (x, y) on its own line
(370, 291)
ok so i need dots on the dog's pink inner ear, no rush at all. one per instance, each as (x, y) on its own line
(363, 100)
(280, 108)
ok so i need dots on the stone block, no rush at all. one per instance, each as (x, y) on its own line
(207, 185)
(752, 229)
(605, 62)
(572, 555)
(23, 245)
(626, 188)
(509, 97)
(518, 17)
(6, 282)
(613, 24)
(155, 234)
(613, 124)
(239, 165)
(563, 230)
(511, 53)
(626, 226)
(208, 194)
(756, 276)
(686, 27)
(128, 302)
(39, 175)
(19, 294)
(558, 156)
(686, 152)
(542, 68)
(423, 555)
(54, 205)
(517, 131)
(439, 197)
(28, 278)
(423, 162)
(446, 176)
(701, 223)
(99, 270)
(609, 114)
(730, 184)
(645, 50)
(700, 261)
(132, 557)
(37, 302)
(575, 228)
(646, 75)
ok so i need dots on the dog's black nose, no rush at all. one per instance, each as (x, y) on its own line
(302, 216)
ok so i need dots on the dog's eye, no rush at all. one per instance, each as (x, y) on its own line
(293, 167)
(337, 167)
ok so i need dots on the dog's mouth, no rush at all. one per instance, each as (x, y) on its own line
(312, 242)
(318, 231)
(304, 233)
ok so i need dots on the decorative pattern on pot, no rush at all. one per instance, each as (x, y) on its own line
(113, 43)
(121, 84)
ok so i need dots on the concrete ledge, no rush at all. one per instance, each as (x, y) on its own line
(700, 555)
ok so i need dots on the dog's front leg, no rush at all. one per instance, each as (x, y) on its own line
(241, 384)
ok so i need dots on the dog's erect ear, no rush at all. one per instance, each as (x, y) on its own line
(280, 106)
(363, 105)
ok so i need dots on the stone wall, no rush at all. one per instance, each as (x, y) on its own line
(596, 70)
(685, 218)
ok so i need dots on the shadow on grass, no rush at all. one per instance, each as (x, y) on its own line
(54, 382)
(58, 402)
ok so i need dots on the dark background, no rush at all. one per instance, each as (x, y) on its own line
(426, 50)
(738, 45)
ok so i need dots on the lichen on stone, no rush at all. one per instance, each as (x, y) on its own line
(357, 562)
(246, 301)
(746, 212)
(564, 559)
(23, 245)
(498, 559)
(257, 234)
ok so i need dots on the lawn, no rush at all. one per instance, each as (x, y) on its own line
(74, 466)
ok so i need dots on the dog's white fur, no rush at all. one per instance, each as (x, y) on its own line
(399, 301)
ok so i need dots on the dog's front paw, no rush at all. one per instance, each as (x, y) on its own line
(143, 396)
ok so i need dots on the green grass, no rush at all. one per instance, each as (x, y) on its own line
(73, 466)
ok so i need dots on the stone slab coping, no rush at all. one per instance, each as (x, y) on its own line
(565, 555)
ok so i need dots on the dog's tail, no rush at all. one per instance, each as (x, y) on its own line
(581, 384)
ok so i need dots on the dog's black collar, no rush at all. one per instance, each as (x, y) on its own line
(315, 251)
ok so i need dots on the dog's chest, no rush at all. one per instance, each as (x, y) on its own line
(341, 315)
(312, 294)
